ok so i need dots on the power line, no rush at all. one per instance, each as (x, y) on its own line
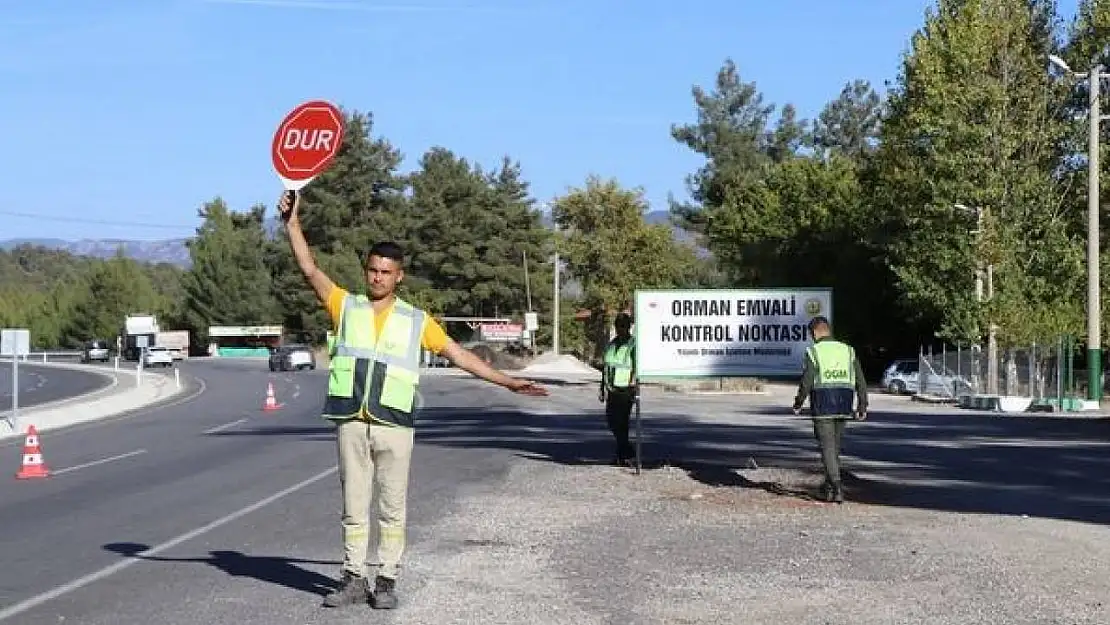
(99, 222)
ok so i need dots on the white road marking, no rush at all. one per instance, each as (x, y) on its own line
(96, 462)
(220, 428)
(80, 582)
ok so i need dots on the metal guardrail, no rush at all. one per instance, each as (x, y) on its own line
(45, 356)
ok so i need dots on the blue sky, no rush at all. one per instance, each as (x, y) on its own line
(132, 113)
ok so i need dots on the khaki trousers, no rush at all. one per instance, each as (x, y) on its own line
(373, 456)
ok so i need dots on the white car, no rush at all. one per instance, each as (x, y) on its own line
(903, 376)
(157, 357)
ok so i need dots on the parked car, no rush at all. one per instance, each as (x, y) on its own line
(157, 356)
(292, 357)
(898, 377)
(95, 351)
(903, 376)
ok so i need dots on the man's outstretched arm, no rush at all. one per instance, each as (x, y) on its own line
(471, 363)
(320, 281)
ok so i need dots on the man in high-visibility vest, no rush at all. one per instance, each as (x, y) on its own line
(831, 379)
(618, 386)
(372, 380)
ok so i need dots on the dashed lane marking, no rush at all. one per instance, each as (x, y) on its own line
(220, 428)
(97, 462)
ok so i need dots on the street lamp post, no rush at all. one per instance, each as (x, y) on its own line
(1094, 308)
(992, 329)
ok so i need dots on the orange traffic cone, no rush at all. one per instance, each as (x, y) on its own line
(33, 464)
(271, 401)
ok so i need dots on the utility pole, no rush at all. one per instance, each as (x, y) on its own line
(528, 297)
(1094, 307)
(555, 310)
(527, 283)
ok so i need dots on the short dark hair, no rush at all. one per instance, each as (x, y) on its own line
(817, 321)
(623, 320)
(387, 249)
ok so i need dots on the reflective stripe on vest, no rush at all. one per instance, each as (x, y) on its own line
(375, 374)
(618, 362)
(835, 365)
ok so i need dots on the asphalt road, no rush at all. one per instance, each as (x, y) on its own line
(240, 506)
(40, 385)
(213, 511)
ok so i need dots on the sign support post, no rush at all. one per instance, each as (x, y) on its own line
(639, 431)
(719, 333)
(16, 343)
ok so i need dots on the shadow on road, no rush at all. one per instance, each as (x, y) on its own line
(1046, 466)
(274, 570)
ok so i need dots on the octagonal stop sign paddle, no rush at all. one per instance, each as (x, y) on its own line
(306, 143)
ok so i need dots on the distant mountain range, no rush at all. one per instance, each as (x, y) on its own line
(173, 251)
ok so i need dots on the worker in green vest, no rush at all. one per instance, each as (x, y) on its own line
(832, 379)
(373, 374)
(618, 386)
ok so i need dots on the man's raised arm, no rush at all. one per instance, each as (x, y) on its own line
(320, 282)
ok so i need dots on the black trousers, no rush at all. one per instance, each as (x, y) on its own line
(829, 432)
(618, 414)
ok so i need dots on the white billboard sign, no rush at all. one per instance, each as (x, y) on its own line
(15, 342)
(725, 332)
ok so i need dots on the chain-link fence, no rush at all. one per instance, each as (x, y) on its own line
(1036, 371)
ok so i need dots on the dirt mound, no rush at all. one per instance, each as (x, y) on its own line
(560, 365)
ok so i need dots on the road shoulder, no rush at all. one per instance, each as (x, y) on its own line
(567, 539)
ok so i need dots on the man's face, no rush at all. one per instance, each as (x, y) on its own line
(623, 330)
(382, 276)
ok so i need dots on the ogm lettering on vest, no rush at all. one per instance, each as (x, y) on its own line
(375, 374)
(618, 362)
(834, 363)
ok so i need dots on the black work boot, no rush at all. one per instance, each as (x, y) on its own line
(384, 597)
(352, 589)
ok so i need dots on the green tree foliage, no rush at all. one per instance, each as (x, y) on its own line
(473, 233)
(734, 135)
(112, 290)
(612, 251)
(65, 300)
(976, 120)
(849, 125)
(775, 215)
(228, 282)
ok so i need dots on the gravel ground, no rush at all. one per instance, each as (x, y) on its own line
(584, 544)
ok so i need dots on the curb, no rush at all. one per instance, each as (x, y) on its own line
(121, 396)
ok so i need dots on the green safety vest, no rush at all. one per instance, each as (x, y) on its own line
(375, 375)
(835, 364)
(618, 364)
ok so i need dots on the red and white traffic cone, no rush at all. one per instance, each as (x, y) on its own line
(33, 465)
(271, 401)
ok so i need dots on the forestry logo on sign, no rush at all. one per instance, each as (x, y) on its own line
(813, 307)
